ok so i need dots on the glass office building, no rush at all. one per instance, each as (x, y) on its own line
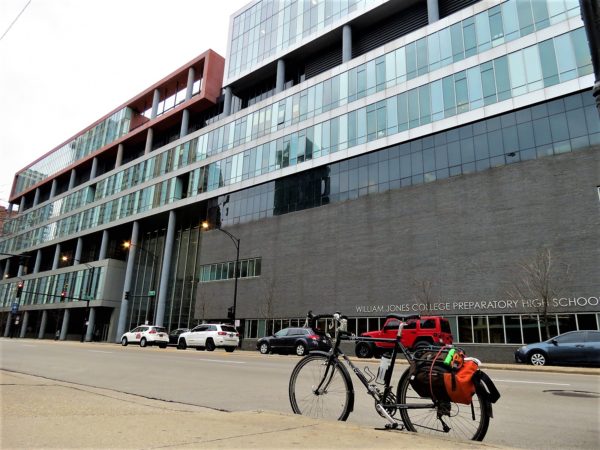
(363, 156)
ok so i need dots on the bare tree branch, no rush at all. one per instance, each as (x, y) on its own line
(539, 279)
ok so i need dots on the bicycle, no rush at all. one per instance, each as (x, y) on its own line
(320, 387)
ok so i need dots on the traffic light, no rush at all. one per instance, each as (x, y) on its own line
(20, 285)
(126, 295)
(230, 312)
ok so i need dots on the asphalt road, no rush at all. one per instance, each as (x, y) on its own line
(537, 410)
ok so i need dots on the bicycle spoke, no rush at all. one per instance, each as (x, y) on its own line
(333, 398)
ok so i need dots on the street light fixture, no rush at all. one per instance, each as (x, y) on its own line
(152, 292)
(236, 270)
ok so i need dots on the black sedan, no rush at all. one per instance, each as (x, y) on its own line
(574, 347)
(174, 335)
(293, 340)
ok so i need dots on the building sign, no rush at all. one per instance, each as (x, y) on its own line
(498, 306)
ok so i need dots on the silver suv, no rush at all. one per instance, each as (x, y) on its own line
(210, 336)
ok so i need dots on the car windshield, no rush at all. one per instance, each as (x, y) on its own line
(160, 329)
(228, 328)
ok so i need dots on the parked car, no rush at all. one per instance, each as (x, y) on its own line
(417, 333)
(146, 335)
(574, 347)
(174, 335)
(209, 336)
(293, 340)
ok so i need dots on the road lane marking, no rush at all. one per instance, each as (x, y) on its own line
(532, 382)
(99, 351)
(221, 361)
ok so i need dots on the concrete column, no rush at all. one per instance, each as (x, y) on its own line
(119, 159)
(78, 250)
(6, 268)
(56, 260)
(149, 137)
(53, 189)
(227, 101)
(166, 268)
(24, 324)
(433, 11)
(72, 179)
(8, 325)
(280, 82)
(90, 328)
(38, 261)
(190, 83)
(43, 325)
(20, 270)
(127, 283)
(155, 102)
(65, 324)
(36, 197)
(22, 205)
(346, 43)
(9, 210)
(185, 119)
(103, 245)
(94, 169)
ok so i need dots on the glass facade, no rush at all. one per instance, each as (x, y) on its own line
(226, 270)
(497, 81)
(269, 27)
(102, 134)
(184, 275)
(465, 329)
(549, 62)
(47, 290)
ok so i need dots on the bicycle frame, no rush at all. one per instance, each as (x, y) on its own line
(379, 396)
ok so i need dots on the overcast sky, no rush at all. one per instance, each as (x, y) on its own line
(66, 63)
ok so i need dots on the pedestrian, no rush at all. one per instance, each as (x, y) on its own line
(57, 335)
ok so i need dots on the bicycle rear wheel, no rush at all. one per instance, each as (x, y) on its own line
(335, 398)
(464, 421)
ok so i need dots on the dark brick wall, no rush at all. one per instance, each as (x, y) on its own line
(464, 234)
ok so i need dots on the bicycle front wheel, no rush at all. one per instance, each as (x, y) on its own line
(321, 390)
(462, 421)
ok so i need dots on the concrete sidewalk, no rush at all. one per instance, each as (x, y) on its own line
(42, 413)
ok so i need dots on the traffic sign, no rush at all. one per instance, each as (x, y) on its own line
(151, 293)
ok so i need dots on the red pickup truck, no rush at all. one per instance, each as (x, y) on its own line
(425, 331)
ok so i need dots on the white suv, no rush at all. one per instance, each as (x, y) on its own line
(210, 336)
(146, 335)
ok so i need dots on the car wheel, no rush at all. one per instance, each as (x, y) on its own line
(182, 345)
(229, 349)
(537, 358)
(363, 350)
(143, 342)
(124, 342)
(210, 345)
(300, 349)
(264, 348)
(421, 345)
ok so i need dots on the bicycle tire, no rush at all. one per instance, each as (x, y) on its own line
(338, 400)
(459, 418)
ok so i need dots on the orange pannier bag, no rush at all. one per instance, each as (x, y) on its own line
(459, 384)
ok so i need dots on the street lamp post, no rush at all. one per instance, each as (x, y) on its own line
(152, 292)
(236, 270)
(88, 294)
